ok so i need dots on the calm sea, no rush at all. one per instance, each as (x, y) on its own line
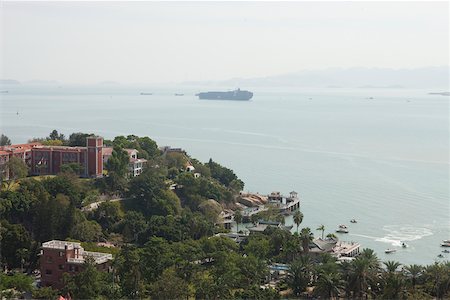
(380, 156)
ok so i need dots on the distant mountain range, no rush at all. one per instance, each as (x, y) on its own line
(427, 77)
(360, 77)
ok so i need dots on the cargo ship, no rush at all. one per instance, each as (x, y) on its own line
(230, 95)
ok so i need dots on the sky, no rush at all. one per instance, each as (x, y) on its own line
(155, 42)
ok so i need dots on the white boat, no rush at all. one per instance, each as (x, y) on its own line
(445, 244)
(342, 229)
(446, 241)
(390, 251)
(353, 221)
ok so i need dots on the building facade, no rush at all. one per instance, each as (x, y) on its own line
(59, 257)
(22, 151)
(48, 160)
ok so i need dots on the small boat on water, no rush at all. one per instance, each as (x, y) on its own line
(390, 251)
(179, 94)
(342, 229)
(404, 245)
(353, 221)
(446, 241)
(445, 244)
(146, 94)
(440, 256)
(445, 251)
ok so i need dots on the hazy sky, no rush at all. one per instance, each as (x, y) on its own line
(147, 42)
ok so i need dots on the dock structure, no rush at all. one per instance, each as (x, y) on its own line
(285, 204)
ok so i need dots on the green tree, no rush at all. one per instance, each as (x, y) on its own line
(299, 275)
(238, 219)
(14, 238)
(19, 282)
(321, 228)
(222, 174)
(150, 192)
(210, 209)
(328, 285)
(129, 272)
(298, 218)
(54, 135)
(45, 293)
(87, 231)
(118, 162)
(413, 272)
(16, 168)
(86, 284)
(149, 146)
(170, 286)
(4, 140)
(78, 139)
(306, 237)
(258, 246)
(108, 214)
(74, 168)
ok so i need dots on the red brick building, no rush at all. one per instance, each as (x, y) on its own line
(59, 257)
(22, 151)
(48, 160)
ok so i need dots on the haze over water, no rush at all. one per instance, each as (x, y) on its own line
(383, 161)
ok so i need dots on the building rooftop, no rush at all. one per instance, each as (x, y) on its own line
(99, 257)
(55, 244)
(19, 147)
(343, 247)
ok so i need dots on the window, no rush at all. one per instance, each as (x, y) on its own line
(61, 267)
(48, 272)
(61, 253)
(70, 268)
(49, 259)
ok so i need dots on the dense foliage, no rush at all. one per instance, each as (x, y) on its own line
(163, 224)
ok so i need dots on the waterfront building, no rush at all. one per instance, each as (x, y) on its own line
(339, 249)
(59, 257)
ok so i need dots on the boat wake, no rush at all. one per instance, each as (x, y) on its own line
(403, 233)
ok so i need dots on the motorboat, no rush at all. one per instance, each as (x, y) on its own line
(353, 221)
(390, 251)
(445, 244)
(446, 241)
(342, 229)
(446, 251)
(440, 256)
(404, 245)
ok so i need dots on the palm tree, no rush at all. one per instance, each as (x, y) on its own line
(306, 237)
(298, 218)
(392, 266)
(299, 275)
(414, 272)
(332, 236)
(359, 276)
(329, 285)
(321, 228)
(238, 218)
(437, 277)
(374, 262)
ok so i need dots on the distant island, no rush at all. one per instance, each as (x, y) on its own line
(440, 93)
(9, 81)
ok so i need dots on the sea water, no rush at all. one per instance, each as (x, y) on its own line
(380, 156)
